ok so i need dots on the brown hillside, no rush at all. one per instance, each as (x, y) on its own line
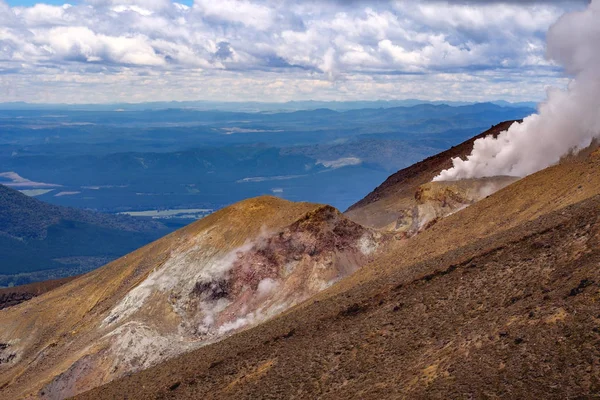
(62, 337)
(229, 271)
(385, 205)
(497, 300)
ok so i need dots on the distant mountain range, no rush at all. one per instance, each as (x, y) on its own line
(43, 241)
(250, 106)
(186, 158)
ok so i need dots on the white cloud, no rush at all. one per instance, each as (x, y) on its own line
(44, 14)
(533, 18)
(137, 50)
(241, 11)
(155, 5)
(78, 43)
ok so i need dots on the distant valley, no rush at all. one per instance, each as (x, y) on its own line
(163, 159)
(39, 241)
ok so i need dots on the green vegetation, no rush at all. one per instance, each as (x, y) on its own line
(35, 236)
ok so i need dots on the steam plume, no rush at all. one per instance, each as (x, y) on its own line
(569, 119)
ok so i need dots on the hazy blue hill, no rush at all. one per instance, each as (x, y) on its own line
(166, 156)
(247, 106)
(35, 236)
(192, 166)
(25, 218)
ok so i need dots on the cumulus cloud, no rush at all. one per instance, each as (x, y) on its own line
(283, 49)
(244, 12)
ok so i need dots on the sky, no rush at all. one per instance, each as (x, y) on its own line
(106, 51)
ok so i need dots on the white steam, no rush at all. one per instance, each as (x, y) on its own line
(568, 121)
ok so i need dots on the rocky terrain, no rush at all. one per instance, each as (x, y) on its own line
(387, 206)
(436, 200)
(510, 316)
(497, 300)
(227, 272)
(468, 289)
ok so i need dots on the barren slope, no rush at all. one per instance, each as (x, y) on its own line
(231, 270)
(497, 300)
(573, 180)
(434, 201)
(387, 204)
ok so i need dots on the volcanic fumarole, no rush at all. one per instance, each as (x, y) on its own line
(567, 121)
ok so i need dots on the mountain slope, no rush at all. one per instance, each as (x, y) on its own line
(385, 206)
(37, 236)
(231, 270)
(573, 180)
(498, 299)
(511, 316)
